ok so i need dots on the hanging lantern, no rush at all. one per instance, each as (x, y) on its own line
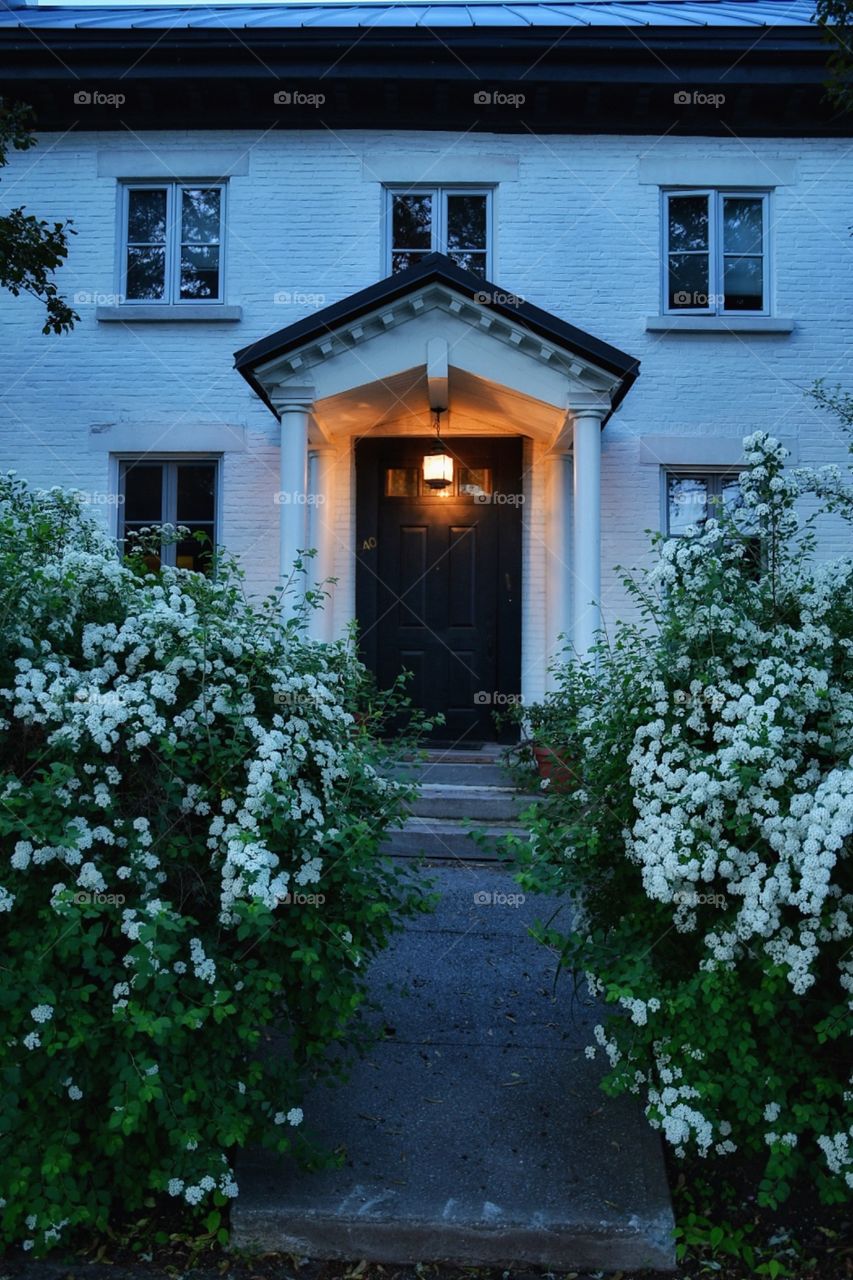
(438, 465)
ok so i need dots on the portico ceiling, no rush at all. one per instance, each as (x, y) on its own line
(399, 405)
(436, 336)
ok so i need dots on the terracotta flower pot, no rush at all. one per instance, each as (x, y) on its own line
(555, 764)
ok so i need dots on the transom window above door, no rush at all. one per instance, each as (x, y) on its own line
(468, 482)
(449, 220)
(172, 242)
(716, 255)
(179, 492)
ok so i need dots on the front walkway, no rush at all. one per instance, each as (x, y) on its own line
(475, 1132)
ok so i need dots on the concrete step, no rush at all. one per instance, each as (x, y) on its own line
(483, 803)
(439, 839)
(488, 753)
(474, 1133)
(449, 773)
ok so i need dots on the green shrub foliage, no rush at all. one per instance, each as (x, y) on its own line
(705, 835)
(191, 808)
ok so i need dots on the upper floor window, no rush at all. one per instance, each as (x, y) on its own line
(181, 492)
(172, 242)
(440, 220)
(715, 252)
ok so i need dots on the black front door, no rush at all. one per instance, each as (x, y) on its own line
(438, 590)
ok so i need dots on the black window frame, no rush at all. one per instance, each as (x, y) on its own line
(169, 499)
(715, 478)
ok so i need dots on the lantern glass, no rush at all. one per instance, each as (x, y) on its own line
(438, 470)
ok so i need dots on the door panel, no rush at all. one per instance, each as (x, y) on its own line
(437, 580)
(412, 574)
(462, 575)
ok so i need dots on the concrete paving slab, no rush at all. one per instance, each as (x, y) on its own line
(475, 1133)
(460, 1155)
(431, 992)
(483, 897)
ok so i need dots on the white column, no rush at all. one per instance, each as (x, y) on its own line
(321, 534)
(293, 405)
(558, 481)
(586, 560)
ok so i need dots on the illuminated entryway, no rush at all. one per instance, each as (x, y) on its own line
(366, 375)
(438, 577)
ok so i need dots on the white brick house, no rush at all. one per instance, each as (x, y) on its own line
(275, 184)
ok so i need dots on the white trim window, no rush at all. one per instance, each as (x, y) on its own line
(716, 257)
(171, 242)
(157, 491)
(452, 220)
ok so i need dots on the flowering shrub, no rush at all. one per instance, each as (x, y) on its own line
(707, 842)
(190, 817)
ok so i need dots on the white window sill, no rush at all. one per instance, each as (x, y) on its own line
(719, 324)
(149, 312)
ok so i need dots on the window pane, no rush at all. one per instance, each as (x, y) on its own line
(466, 222)
(401, 260)
(192, 553)
(200, 219)
(401, 482)
(412, 222)
(146, 273)
(688, 280)
(146, 217)
(475, 480)
(688, 223)
(196, 488)
(732, 499)
(744, 284)
(469, 261)
(200, 272)
(687, 502)
(143, 493)
(743, 225)
(730, 492)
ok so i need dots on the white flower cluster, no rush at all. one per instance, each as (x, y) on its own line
(194, 1193)
(836, 1148)
(293, 1116)
(203, 966)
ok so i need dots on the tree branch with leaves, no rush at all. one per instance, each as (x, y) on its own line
(31, 250)
(836, 19)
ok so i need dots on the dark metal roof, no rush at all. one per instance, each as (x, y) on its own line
(437, 268)
(371, 14)
(587, 66)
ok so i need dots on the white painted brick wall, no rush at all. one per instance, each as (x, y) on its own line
(577, 234)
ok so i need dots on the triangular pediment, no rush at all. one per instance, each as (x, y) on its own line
(382, 356)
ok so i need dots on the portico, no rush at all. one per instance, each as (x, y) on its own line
(377, 366)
